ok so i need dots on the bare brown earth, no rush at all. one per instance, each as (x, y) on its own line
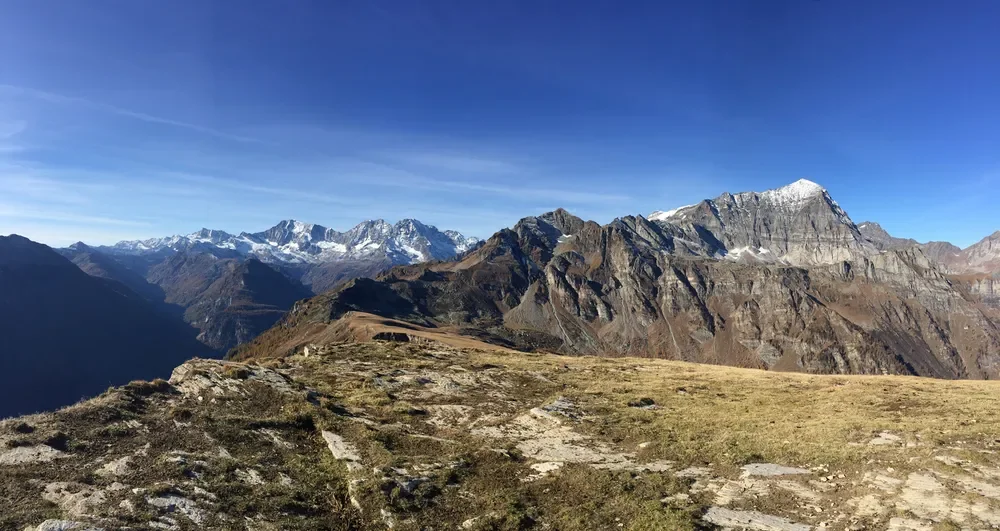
(421, 435)
(362, 327)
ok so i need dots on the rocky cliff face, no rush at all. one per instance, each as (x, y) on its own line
(943, 253)
(983, 256)
(651, 289)
(799, 224)
(881, 239)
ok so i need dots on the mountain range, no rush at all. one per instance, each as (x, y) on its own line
(782, 279)
(233, 287)
(292, 243)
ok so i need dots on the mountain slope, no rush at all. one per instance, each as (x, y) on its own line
(981, 257)
(874, 233)
(101, 265)
(941, 252)
(636, 287)
(230, 301)
(67, 334)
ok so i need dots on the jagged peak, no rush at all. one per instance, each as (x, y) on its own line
(209, 234)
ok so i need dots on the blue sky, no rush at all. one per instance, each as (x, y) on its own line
(129, 119)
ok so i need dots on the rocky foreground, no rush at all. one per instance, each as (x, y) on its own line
(393, 435)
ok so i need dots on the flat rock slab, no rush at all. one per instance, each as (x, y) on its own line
(23, 455)
(770, 469)
(63, 525)
(751, 520)
(885, 438)
(342, 450)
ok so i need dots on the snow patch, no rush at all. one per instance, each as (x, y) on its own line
(795, 193)
(663, 215)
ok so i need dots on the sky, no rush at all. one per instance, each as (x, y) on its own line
(124, 119)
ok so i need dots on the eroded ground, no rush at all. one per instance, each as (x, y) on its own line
(395, 435)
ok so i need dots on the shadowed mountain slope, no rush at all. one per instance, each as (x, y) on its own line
(66, 335)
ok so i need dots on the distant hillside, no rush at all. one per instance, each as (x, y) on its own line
(67, 335)
(229, 301)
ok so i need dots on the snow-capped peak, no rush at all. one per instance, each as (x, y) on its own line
(408, 241)
(797, 192)
(209, 236)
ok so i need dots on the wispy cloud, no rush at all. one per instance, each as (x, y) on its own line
(570, 196)
(385, 175)
(456, 163)
(11, 129)
(119, 111)
(290, 193)
(22, 212)
(23, 183)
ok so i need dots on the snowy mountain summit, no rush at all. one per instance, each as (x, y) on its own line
(793, 194)
(798, 224)
(291, 241)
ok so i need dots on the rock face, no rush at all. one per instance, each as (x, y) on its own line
(942, 253)
(879, 237)
(983, 256)
(799, 224)
(67, 335)
(670, 288)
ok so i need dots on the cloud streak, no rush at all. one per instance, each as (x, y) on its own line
(52, 97)
(20, 212)
(457, 163)
(11, 129)
(385, 175)
(207, 180)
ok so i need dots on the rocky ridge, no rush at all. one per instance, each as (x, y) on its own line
(295, 242)
(672, 288)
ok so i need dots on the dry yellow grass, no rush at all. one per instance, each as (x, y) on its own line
(490, 439)
(730, 414)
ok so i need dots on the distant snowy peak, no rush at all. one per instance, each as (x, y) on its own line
(793, 194)
(209, 236)
(408, 241)
(791, 197)
(797, 224)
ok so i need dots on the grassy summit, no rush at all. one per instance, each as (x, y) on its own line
(371, 435)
